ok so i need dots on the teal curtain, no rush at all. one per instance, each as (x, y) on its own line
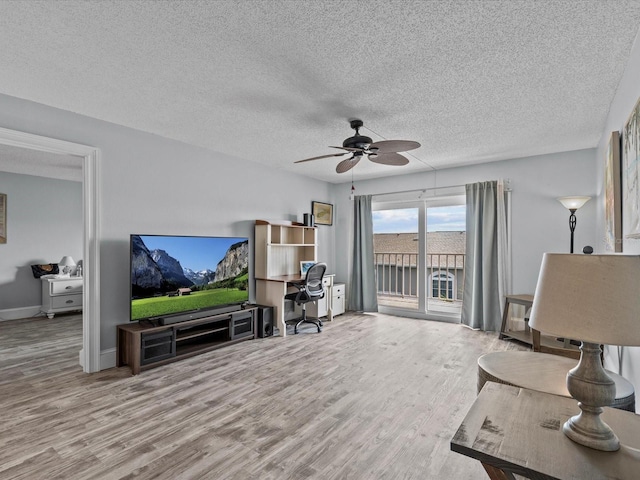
(363, 296)
(481, 301)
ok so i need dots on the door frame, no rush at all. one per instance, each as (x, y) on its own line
(89, 356)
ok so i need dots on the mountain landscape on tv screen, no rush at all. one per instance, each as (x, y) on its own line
(157, 272)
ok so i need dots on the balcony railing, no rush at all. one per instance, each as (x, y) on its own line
(397, 277)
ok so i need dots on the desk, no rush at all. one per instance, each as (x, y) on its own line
(517, 431)
(271, 291)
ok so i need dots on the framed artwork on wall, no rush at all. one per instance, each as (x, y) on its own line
(323, 213)
(612, 199)
(3, 218)
(631, 174)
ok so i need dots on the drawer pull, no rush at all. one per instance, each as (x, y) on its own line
(68, 287)
(69, 301)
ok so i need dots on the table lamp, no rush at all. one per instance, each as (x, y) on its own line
(594, 299)
(67, 263)
(572, 204)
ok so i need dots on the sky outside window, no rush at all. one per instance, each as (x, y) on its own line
(405, 220)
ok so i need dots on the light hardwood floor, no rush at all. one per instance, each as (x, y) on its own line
(371, 397)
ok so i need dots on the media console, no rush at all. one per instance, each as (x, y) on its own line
(142, 347)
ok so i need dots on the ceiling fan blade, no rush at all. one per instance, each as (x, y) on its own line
(349, 149)
(391, 158)
(393, 146)
(322, 156)
(348, 164)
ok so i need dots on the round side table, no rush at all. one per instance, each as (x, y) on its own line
(543, 372)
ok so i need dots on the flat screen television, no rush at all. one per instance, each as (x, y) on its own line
(173, 278)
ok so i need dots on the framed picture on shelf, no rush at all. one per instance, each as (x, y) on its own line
(305, 266)
(323, 213)
(612, 199)
(631, 174)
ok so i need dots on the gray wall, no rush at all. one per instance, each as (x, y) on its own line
(625, 360)
(539, 222)
(44, 223)
(149, 184)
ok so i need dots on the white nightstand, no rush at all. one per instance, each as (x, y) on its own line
(61, 295)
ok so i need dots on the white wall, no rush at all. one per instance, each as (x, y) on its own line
(44, 223)
(539, 222)
(624, 360)
(151, 184)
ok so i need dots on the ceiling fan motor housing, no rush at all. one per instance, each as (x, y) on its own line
(357, 141)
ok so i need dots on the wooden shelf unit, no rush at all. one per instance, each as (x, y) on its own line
(142, 347)
(279, 248)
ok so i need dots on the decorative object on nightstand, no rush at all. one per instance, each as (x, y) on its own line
(67, 263)
(594, 299)
(572, 204)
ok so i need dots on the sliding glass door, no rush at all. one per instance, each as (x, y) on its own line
(419, 249)
(396, 247)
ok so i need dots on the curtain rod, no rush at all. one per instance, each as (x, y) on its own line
(506, 181)
(417, 190)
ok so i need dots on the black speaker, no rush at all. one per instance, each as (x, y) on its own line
(265, 321)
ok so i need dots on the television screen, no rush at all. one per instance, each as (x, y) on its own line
(178, 274)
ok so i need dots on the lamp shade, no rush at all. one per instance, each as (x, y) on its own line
(67, 262)
(573, 203)
(592, 298)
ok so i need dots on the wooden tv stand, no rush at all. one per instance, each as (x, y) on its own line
(143, 347)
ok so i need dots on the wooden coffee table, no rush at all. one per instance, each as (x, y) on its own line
(543, 372)
(513, 430)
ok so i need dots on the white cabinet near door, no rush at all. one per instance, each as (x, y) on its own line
(337, 298)
(61, 295)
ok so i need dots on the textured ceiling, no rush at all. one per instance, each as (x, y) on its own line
(277, 81)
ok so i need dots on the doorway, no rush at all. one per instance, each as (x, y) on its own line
(89, 356)
(419, 250)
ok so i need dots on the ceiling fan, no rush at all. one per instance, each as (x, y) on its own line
(385, 152)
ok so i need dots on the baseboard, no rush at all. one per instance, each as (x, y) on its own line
(107, 358)
(21, 312)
